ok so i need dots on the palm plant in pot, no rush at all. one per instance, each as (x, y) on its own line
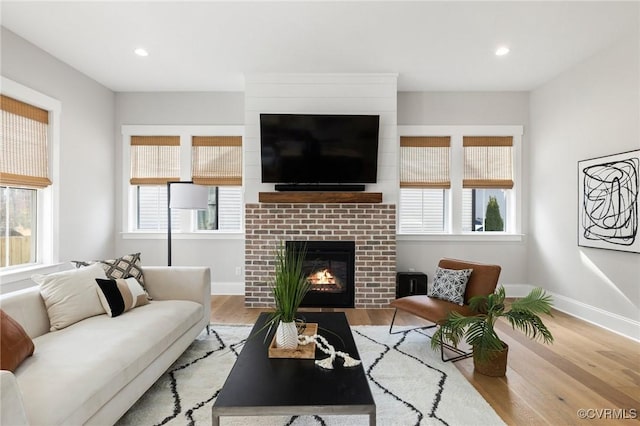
(288, 287)
(489, 351)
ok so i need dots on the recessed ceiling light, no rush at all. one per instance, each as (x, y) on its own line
(141, 52)
(502, 50)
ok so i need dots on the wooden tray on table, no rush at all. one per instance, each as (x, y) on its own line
(302, 351)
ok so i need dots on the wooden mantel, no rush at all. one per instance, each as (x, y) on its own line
(320, 197)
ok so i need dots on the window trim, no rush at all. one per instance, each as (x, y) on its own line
(47, 220)
(454, 219)
(185, 132)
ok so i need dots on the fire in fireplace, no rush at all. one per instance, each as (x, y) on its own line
(324, 280)
(330, 268)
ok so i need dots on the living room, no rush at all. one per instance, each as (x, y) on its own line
(584, 104)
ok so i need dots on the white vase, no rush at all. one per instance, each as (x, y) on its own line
(287, 335)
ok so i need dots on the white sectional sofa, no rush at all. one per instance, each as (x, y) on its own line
(93, 371)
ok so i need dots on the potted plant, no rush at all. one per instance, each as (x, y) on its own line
(489, 351)
(288, 287)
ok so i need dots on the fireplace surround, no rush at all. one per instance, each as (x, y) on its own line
(370, 226)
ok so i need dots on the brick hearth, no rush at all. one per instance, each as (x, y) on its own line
(371, 226)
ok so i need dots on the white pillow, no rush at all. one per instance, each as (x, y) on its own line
(71, 296)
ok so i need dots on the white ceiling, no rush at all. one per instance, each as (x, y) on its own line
(211, 45)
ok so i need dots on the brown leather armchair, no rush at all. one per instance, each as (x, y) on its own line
(483, 281)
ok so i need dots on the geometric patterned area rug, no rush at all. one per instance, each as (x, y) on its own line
(409, 382)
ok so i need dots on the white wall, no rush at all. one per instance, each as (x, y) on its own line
(319, 94)
(461, 108)
(222, 254)
(469, 108)
(86, 181)
(588, 111)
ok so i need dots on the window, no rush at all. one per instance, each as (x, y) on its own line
(155, 160)
(484, 210)
(424, 162)
(423, 210)
(152, 209)
(457, 180)
(487, 182)
(25, 176)
(225, 205)
(213, 161)
(217, 160)
(424, 183)
(18, 216)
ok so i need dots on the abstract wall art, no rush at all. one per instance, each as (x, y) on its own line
(608, 202)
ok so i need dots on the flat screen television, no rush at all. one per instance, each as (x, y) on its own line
(319, 148)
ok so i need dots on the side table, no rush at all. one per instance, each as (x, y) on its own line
(410, 283)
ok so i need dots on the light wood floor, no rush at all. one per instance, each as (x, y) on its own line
(586, 367)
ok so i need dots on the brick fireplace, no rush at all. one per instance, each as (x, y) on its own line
(371, 226)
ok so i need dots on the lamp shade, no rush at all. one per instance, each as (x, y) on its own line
(188, 196)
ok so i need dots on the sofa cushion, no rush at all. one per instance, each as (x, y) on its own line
(121, 295)
(123, 267)
(71, 296)
(15, 343)
(97, 357)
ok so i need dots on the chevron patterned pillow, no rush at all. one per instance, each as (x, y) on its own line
(123, 267)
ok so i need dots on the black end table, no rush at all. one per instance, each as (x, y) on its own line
(410, 283)
(261, 386)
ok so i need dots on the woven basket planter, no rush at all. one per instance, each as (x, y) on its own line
(495, 366)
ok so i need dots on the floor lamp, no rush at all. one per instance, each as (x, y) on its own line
(187, 196)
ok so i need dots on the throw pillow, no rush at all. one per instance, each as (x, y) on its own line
(70, 296)
(121, 295)
(450, 284)
(122, 267)
(15, 343)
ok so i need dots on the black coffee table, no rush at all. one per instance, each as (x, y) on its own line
(261, 386)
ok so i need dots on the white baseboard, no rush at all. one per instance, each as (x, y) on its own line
(233, 288)
(608, 320)
(613, 322)
(517, 290)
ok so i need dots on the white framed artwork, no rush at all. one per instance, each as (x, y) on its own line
(608, 202)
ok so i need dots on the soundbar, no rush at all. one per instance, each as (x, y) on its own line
(318, 187)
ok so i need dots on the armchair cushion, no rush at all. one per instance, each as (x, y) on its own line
(450, 284)
(429, 308)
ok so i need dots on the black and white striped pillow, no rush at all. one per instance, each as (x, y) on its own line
(120, 295)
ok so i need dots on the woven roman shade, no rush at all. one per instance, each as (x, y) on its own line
(155, 160)
(424, 161)
(488, 162)
(24, 154)
(216, 160)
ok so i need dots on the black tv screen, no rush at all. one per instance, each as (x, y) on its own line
(319, 148)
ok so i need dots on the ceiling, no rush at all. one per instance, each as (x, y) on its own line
(211, 45)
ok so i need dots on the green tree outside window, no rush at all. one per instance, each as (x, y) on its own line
(493, 219)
